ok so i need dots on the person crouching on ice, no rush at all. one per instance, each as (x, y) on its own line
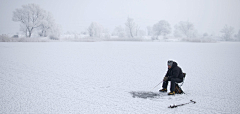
(174, 74)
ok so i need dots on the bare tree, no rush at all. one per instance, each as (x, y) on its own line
(119, 31)
(238, 35)
(54, 32)
(130, 25)
(185, 28)
(227, 32)
(95, 30)
(137, 29)
(23, 28)
(47, 25)
(161, 28)
(30, 17)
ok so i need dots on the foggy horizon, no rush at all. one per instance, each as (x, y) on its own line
(76, 16)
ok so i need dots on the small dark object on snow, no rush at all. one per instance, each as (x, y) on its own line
(174, 106)
(144, 95)
(15, 36)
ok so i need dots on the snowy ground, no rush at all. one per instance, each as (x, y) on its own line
(100, 77)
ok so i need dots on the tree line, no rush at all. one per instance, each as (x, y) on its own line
(34, 19)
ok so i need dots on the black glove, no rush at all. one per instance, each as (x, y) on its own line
(165, 79)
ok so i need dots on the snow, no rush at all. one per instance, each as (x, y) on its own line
(101, 77)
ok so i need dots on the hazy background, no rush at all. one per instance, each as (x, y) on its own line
(76, 15)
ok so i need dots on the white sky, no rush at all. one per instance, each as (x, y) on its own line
(76, 15)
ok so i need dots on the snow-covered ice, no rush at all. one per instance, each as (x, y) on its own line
(101, 77)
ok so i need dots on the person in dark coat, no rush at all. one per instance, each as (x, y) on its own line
(174, 74)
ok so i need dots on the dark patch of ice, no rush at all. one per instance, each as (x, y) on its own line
(144, 94)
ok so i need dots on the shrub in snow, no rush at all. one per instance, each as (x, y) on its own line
(205, 39)
(15, 36)
(52, 37)
(4, 38)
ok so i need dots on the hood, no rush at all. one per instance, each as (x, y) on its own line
(174, 65)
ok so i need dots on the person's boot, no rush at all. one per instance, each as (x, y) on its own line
(171, 93)
(163, 90)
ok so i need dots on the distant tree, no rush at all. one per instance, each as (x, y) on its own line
(24, 29)
(30, 16)
(184, 28)
(141, 33)
(205, 34)
(130, 25)
(33, 17)
(54, 32)
(161, 28)
(227, 33)
(119, 31)
(149, 30)
(177, 33)
(238, 35)
(95, 30)
(47, 25)
(106, 33)
(137, 29)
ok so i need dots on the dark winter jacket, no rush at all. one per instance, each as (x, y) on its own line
(174, 72)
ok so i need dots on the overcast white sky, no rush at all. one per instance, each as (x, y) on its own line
(76, 15)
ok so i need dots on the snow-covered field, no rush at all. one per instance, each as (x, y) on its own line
(101, 77)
